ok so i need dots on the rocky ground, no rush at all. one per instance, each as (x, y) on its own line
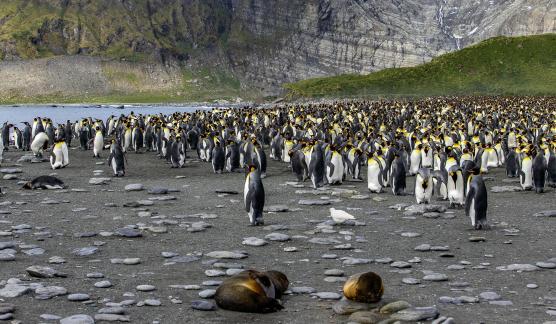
(144, 256)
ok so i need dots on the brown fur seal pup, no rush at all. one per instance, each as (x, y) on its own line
(252, 291)
(364, 287)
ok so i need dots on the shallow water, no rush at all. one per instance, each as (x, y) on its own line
(60, 114)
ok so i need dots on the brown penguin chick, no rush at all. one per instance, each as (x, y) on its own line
(252, 291)
(364, 287)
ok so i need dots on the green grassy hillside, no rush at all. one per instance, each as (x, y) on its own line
(501, 65)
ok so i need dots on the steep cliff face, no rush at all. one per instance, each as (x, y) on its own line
(299, 39)
(264, 43)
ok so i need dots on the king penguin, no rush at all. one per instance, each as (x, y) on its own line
(39, 144)
(455, 187)
(539, 172)
(423, 186)
(98, 143)
(526, 173)
(218, 157)
(374, 175)
(316, 166)
(476, 203)
(397, 177)
(334, 167)
(254, 196)
(57, 155)
(116, 160)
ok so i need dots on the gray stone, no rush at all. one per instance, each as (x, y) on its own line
(203, 305)
(134, 187)
(112, 318)
(309, 202)
(207, 293)
(416, 314)
(129, 232)
(411, 281)
(103, 284)
(546, 265)
(14, 290)
(334, 272)
(78, 319)
(546, 213)
(277, 237)
(158, 191)
(394, 307)
(78, 297)
(500, 302)
(99, 181)
(518, 267)
(50, 292)
(400, 264)
(145, 288)
(324, 241)
(6, 308)
(86, 251)
(327, 295)
(254, 241)
(423, 248)
(11, 170)
(355, 261)
(214, 273)
(489, 295)
(43, 272)
(436, 277)
(226, 255)
(152, 302)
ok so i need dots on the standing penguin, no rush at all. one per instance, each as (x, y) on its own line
(334, 167)
(539, 172)
(397, 176)
(98, 143)
(298, 165)
(176, 153)
(551, 170)
(455, 186)
(27, 137)
(218, 157)
(415, 160)
(232, 156)
(374, 175)
(526, 173)
(512, 164)
(476, 203)
(18, 138)
(316, 166)
(116, 160)
(6, 135)
(259, 158)
(423, 186)
(254, 196)
(440, 181)
(57, 155)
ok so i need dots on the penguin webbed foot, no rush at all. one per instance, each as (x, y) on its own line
(482, 226)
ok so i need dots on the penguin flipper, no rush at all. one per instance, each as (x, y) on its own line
(331, 166)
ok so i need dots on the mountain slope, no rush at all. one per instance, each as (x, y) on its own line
(501, 65)
(259, 44)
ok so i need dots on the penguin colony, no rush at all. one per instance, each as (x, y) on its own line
(446, 143)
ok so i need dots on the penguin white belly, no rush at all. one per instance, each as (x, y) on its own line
(38, 142)
(56, 158)
(97, 147)
(527, 174)
(65, 155)
(114, 166)
(426, 159)
(338, 172)
(443, 191)
(436, 163)
(484, 162)
(127, 141)
(246, 189)
(373, 174)
(492, 161)
(415, 162)
(472, 211)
